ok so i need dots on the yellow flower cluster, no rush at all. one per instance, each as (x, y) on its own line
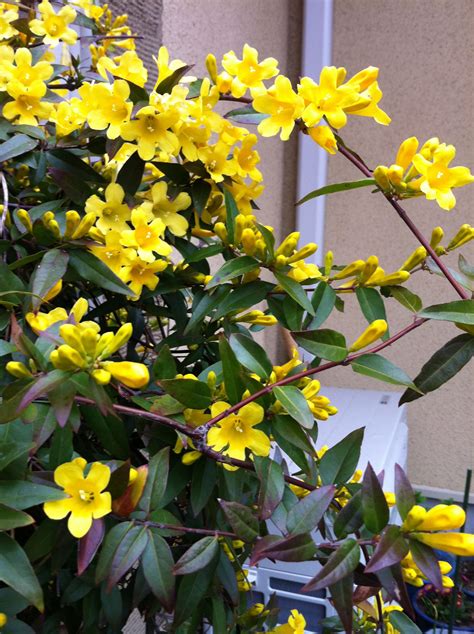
(368, 273)
(426, 171)
(295, 625)
(413, 575)
(86, 349)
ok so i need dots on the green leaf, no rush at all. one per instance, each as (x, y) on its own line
(295, 291)
(375, 511)
(20, 494)
(191, 393)
(200, 192)
(90, 268)
(461, 311)
(341, 597)
(372, 306)
(232, 269)
(68, 162)
(272, 485)
(286, 427)
(6, 348)
(295, 404)
(323, 301)
(61, 447)
(246, 115)
(340, 461)
(156, 480)
(391, 549)
(191, 591)
(382, 369)
(349, 519)
(11, 518)
(442, 366)
(131, 174)
(402, 623)
(339, 565)
(15, 146)
(167, 84)
(17, 573)
(203, 481)
(203, 305)
(291, 548)
(157, 565)
(202, 254)
(164, 366)
(327, 344)
(338, 187)
(404, 494)
(242, 298)
(465, 268)
(232, 372)
(110, 431)
(49, 271)
(426, 560)
(307, 513)
(126, 554)
(406, 298)
(251, 355)
(43, 385)
(232, 212)
(11, 450)
(242, 519)
(197, 557)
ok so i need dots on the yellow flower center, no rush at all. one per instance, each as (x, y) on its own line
(108, 211)
(212, 166)
(439, 176)
(54, 25)
(86, 496)
(146, 236)
(238, 425)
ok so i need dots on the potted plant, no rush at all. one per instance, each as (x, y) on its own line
(467, 576)
(433, 609)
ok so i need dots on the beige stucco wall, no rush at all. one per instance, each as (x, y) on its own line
(425, 50)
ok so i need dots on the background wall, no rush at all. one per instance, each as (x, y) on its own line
(425, 50)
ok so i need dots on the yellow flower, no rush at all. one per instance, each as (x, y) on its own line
(235, 433)
(3, 619)
(296, 624)
(8, 14)
(41, 321)
(111, 107)
(370, 97)
(248, 72)
(437, 178)
(247, 159)
(112, 252)
(216, 161)
(27, 106)
(413, 575)
(324, 137)
(146, 237)
(127, 66)
(166, 210)
(326, 99)
(53, 27)
(139, 273)
(301, 271)
(283, 105)
(443, 517)
(320, 406)
(164, 66)
(86, 500)
(112, 213)
(68, 116)
(20, 67)
(399, 177)
(150, 130)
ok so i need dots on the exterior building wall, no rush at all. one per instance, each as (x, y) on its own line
(425, 52)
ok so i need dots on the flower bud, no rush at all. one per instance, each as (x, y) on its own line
(351, 269)
(101, 376)
(55, 290)
(395, 175)
(328, 261)
(303, 253)
(72, 221)
(121, 337)
(24, 218)
(79, 309)
(53, 226)
(369, 269)
(436, 236)
(414, 259)
(127, 502)
(373, 332)
(414, 518)
(3, 619)
(221, 231)
(72, 336)
(289, 244)
(18, 370)
(393, 279)
(211, 65)
(133, 375)
(103, 343)
(248, 241)
(84, 226)
(89, 339)
(443, 518)
(463, 232)
(240, 224)
(190, 457)
(324, 137)
(461, 544)
(406, 152)
(67, 355)
(381, 176)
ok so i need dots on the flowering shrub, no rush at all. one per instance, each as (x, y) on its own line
(139, 414)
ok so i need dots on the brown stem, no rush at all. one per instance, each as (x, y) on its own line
(225, 97)
(188, 529)
(310, 372)
(409, 223)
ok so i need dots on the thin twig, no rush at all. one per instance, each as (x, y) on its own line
(5, 203)
(188, 529)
